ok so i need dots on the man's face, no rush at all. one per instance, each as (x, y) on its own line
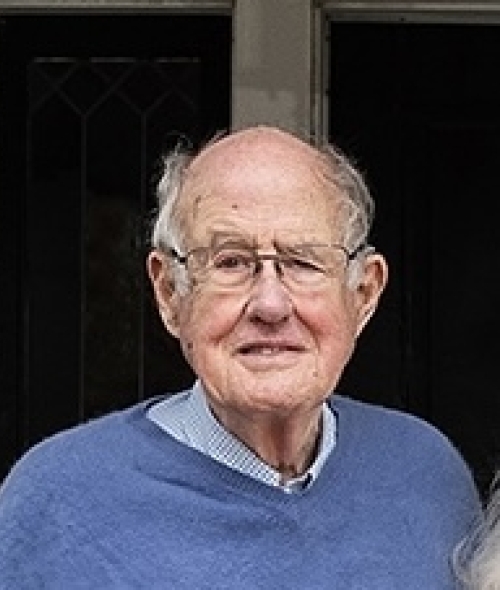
(263, 347)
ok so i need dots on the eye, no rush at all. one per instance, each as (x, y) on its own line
(303, 264)
(232, 260)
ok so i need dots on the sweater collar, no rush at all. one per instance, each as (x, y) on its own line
(187, 417)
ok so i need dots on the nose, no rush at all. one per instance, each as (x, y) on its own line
(269, 300)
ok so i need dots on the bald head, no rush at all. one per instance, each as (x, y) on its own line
(256, 146)
(256, 161)
(252, 162)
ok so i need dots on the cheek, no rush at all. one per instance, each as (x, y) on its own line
(204, 324)
(333, 325)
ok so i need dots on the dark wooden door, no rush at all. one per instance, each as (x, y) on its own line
(418, 106)
(87, 106)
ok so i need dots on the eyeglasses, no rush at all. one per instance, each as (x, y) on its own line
(306, 265)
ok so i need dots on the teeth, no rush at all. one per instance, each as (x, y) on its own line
(265, 350)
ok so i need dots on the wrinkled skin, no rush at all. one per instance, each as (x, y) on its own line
(267, 356)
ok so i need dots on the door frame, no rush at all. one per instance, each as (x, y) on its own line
(405, 11)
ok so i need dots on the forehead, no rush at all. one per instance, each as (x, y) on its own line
(261, 183)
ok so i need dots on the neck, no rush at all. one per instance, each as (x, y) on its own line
(288, 444)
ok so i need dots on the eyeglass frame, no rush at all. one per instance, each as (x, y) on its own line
(278, 258)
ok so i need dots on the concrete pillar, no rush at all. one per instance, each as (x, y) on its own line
(272, 63)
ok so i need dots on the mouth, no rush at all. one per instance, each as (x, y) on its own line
(272, 356)
(268, 349)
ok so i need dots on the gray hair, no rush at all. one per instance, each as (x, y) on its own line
(477, 558)
(351, 187)
(167, 227)
(357, 204)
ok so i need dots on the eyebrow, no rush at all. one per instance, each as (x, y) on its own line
(221, 238)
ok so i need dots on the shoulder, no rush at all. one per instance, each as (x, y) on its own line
(50, 498)
(405, 467)
(388, 422)
(397, 440)
(75, 453)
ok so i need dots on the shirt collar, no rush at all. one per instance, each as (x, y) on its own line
(187, 417)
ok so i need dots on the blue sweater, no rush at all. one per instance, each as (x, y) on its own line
(117, 503)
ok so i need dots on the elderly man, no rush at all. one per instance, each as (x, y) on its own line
(259, 476)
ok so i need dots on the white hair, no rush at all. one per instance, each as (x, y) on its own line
(357, 205)
(477, 557)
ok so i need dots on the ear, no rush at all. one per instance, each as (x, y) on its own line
(374, 274)
(167, 299)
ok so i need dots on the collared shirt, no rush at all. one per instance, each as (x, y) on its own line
(187, 417)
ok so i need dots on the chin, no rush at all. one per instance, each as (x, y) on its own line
(275, 394)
